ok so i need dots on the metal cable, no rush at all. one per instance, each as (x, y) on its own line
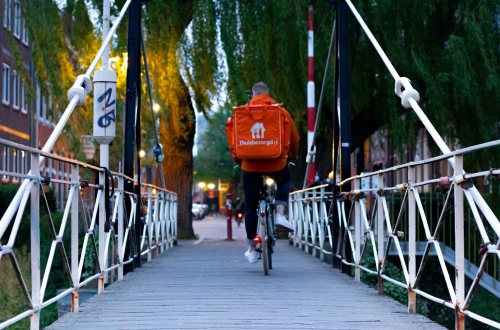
(150, 94)
(12, 208)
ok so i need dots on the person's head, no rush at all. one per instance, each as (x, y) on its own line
(259, 88)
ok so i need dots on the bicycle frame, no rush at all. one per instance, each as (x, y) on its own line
(265, 227)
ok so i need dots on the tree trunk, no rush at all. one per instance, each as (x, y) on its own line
(178, 169)
(178, 138)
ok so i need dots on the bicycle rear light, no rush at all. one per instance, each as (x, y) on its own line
(257, 239)
(262, 213)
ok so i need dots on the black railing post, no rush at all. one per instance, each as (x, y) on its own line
(131, 130)
(342, 143)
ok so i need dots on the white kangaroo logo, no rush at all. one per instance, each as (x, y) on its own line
(258, 131)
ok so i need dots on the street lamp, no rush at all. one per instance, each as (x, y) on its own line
(88, 146)
(142, 153)
(211, 186)
(202, 185)
(156, 107)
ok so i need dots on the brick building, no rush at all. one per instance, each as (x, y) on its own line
(24, 119)
(15, 60)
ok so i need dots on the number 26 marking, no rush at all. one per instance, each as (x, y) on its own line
(108, 118)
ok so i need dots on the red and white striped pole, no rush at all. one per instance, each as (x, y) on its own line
(311, 117)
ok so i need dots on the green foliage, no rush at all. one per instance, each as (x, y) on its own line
(483, 302)
(10, 289)
(52, 64)
(200, 54)
(448, 50)
(214, 159)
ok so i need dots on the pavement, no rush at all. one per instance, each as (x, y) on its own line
(214, 227)
(208, 284)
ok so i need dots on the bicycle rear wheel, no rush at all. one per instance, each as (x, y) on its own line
(262, 232)
(264, 248)
(270, 241)
(269, 254)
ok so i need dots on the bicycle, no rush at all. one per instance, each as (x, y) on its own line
(266, 233)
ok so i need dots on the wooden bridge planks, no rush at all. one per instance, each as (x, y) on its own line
(211, 286)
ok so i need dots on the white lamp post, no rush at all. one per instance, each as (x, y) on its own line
(88, 146)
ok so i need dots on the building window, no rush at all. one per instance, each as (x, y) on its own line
(17, 19)
(7, 159)
(15, 161)
(24, 99)
(43, 114)
(5, 163)
(22, 165)
(6, 84)
(6, 14)
(48, 114)
(25, 36)
(38, 107)
(16, 93)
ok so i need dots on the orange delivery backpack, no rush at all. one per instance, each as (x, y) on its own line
(258, 131)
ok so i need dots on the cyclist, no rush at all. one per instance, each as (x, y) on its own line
(238, 205)
(276, 168)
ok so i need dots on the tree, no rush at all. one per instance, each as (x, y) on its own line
(214, 159)
(448, 49)
(165, 23)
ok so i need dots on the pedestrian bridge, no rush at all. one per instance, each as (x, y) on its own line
(208, 284)
(435, 238)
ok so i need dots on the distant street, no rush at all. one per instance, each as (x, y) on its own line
(214, 227)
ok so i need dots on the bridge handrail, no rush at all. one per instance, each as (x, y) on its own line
(409, 99)
(308, 211)
(429, 160)
(159, 232)
(160, 219)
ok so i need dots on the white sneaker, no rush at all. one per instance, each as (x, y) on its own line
(281, 221)
(251, 255)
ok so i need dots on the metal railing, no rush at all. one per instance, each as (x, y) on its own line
(364, 217)
(76, 235)
(105, 222)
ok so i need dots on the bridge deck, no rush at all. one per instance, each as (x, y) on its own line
(209, 285)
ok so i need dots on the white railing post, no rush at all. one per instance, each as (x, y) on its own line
(299, 213)
(298, 208)
(75, 181)
(412, 238)
(291, 215)
(161, 218)
(307, 220)
(323, 218)
(169, 220)
(149, 222)
(121, 226)
(102, 235)
(156, 223)
(35, 241)
(175, 217)
(314, 224)
(459, 245)
(357, 232)
(380, 232)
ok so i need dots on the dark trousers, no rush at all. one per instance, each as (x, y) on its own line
(252, 183)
